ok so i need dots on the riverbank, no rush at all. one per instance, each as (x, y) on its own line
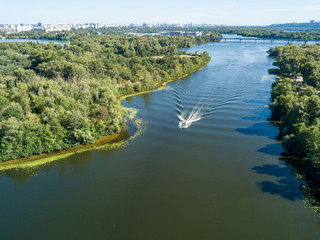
(299, 138)
(163, 83)
(108, 142)
(296, 104)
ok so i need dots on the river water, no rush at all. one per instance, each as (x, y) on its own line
(220, 178)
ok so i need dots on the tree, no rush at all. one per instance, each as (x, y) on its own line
(13, 110)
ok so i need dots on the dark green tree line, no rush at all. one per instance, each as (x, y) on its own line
(296, 105)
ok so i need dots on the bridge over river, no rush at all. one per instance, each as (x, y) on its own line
(259, 39)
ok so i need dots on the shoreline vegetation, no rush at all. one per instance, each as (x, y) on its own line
(163, 83)
(179, 66)
(295, 105)
(43, 158)
(108, 142)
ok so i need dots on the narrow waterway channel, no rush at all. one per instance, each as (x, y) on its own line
(220, 178)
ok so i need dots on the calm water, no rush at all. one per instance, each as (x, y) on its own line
(221, 178)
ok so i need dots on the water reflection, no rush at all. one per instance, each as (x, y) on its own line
(318, 222)
(285, 186)
(258, 129)
(19, 176)
(271, 149)
(147, 99)
(260, 114)
(77, 162)
(129, 99)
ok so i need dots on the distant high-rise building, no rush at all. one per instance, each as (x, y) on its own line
(22, 28)
(146, 25)
(39, 24)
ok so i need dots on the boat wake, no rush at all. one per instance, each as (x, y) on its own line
(190, 109)
(187, 120)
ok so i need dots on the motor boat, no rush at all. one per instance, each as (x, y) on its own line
(184, 124)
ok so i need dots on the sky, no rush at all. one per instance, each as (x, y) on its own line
(228, 12)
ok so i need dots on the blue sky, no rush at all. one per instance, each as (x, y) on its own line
(230, 12)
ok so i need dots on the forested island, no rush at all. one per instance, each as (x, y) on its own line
(56, 96)
(296, 106)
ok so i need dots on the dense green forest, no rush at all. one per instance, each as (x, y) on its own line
(296, 104)
(59, 35)
(54, 96)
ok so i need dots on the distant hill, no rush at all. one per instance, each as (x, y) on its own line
(312, 25)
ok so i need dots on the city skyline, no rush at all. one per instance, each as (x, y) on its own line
(228, 12)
